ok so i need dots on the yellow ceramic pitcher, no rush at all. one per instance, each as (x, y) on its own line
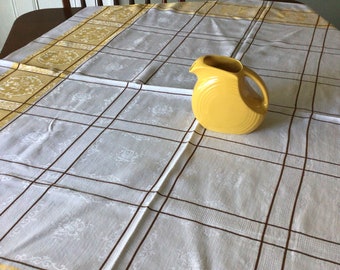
(222, 100)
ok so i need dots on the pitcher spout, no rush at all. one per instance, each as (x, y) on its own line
(197, 65)
(217, 65)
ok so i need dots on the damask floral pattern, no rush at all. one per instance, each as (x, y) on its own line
(20, 85)
(70, 228)
(105, 166)
(120, 13)
(56, 58)
(91, 34)
(41, 261)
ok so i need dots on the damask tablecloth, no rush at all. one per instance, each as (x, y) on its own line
(103, 165)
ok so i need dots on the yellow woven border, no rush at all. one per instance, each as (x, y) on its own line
(219, 9)
(277, 13)
(40, 72)
(7, 267)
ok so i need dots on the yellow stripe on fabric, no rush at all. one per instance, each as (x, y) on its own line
(213, 9)
(182, 7)
(297, 16)
(21, 89)
(7, 267)
(224, 10)
(294, 17)
(84, 40)
(40, 72)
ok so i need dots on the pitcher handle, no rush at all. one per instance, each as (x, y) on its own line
(257, 79)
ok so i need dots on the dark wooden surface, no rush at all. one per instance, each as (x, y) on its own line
(32, 25)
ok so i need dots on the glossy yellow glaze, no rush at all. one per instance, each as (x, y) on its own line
(222, 99)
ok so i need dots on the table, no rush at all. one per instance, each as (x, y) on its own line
(103, 165)
(32, 25)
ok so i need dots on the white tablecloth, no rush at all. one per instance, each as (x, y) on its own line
(103, 165)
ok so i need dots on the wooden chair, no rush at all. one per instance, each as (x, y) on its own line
(67, 4)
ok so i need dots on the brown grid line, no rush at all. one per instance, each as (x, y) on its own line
(188, 65)
(68, 33)
(287, 248)
(306, 158)
(172, 198)
(204, 147)
(60, 186)
(285, 157)
(158, 212)
(215, 228)
(172, 38)
(247, 237)
(78, 62)
(179, 130)
(257, 30)
(291, 48)
(145, 197)
(21, 263)
(111, 128)
(26, 101)
(269, 149)
(51, 108)
(84, 132)
(248, 219)
(191, 155)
